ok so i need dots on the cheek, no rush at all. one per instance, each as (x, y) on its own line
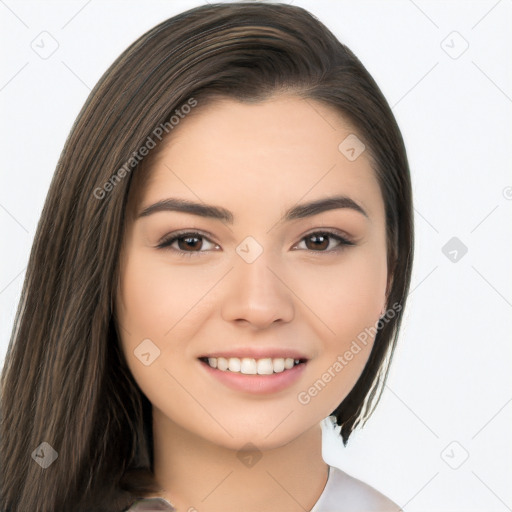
(159, 299)
(349, 297)
(348, 300)
(160, 303)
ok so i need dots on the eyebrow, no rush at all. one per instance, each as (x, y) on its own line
(216, 212)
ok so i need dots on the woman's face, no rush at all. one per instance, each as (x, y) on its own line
(258, 286)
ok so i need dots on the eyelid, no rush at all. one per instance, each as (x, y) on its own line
(344, 240)
(181, 233)
(166, 241)
(332, 231)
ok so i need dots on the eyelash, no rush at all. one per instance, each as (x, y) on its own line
(167, 242)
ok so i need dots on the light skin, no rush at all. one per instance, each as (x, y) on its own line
(301, 292)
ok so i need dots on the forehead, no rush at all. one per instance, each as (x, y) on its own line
(278, 150)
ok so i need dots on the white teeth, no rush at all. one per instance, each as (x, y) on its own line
(278, 364)
(222, 363)
(288, 363)
(234, 364)
(250, 366)
(265, 367)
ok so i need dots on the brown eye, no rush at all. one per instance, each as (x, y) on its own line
(321, 240)
(186, 243)
(189, 242)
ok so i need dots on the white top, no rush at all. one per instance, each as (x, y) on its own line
(342, 493)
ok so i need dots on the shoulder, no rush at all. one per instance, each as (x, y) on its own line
(356, 495)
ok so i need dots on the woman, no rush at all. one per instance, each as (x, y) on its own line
(222, 263)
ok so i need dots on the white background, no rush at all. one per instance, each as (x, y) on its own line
(449, 393)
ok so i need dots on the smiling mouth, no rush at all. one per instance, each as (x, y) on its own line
(251, 366)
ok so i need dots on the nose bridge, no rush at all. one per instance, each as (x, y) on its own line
(256, 293)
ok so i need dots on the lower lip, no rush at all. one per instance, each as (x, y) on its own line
(257, 384)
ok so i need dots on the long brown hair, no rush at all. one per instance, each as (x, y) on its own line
(65, 381)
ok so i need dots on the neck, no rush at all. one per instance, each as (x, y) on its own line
(197, 475)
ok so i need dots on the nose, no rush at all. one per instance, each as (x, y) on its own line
(257, 294)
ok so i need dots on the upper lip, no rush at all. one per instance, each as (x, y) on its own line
(258, 353)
